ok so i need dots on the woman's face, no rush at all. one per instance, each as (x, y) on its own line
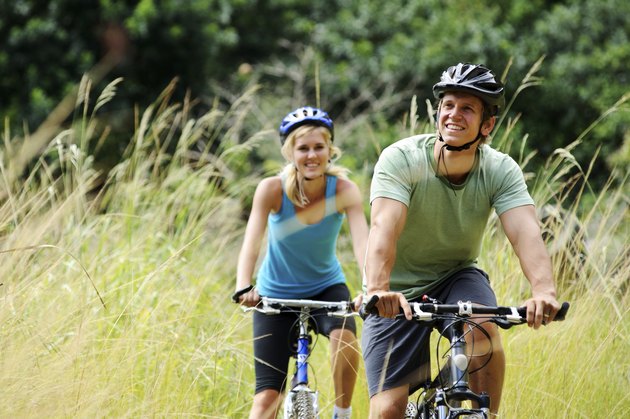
(311, 153)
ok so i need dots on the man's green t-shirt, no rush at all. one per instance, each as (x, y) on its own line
(445, 223)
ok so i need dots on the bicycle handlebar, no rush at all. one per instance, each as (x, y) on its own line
(270, 305)
(423, 311)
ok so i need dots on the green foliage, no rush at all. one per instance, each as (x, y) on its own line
(585, 73)
(363, 58)
(44, 51)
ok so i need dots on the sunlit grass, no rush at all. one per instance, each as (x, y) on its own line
(157, 242)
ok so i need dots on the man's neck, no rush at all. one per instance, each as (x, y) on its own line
(454, 165)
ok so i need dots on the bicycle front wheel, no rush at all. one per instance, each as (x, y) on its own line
(302, 405)
(411, 412)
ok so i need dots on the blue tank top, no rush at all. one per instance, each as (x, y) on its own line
(301, 259)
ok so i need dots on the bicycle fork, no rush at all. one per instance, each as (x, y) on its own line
(301, 402)
(458, 376)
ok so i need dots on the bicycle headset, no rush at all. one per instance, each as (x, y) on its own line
(302, 116)
(476, 80)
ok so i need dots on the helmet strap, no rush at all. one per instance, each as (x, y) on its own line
(443, 161)
(461, 147)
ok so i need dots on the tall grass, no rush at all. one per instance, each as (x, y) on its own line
(114, 294)
(577, 368)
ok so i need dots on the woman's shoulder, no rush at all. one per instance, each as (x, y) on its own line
(271, 184)
(269, 192)
(348, 192)
(345, 183)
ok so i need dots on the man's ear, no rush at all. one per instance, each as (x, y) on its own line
(488, 125)
(437, 113)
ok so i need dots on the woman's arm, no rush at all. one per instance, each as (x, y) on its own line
(267, 197)
(352, 204)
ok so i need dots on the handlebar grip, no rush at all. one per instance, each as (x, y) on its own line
(369, 307)
(560, 315)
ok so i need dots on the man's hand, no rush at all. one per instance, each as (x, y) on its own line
(541, 309)
(389, 304)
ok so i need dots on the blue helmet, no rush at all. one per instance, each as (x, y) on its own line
(475, 79)
(303, 116)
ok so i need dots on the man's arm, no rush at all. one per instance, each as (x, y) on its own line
(388, 218)
(521, 228)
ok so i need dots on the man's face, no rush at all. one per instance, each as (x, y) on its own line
(460, 118)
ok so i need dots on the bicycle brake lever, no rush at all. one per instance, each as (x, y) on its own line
(503, 323)
(369, 307)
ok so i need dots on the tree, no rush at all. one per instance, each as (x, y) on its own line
(585, 73)
(352, 57)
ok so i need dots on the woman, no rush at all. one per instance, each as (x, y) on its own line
(304, 208)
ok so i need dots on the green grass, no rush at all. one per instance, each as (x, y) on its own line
(115, 300)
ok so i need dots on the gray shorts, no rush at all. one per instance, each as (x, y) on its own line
(396, 351)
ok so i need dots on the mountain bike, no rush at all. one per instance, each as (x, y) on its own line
(448, 394)
(301, 400)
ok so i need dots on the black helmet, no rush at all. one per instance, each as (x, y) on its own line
(475, 79)
(302, 116)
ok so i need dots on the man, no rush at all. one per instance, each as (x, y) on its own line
(431, 198)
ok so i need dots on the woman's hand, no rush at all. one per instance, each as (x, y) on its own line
(247, 296)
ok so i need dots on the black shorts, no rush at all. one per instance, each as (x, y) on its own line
(401, 347)
(275, 338)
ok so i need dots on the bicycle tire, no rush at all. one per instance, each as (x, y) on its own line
(303, 406)
(411, 412)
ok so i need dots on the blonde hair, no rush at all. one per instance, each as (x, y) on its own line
(293, 182)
